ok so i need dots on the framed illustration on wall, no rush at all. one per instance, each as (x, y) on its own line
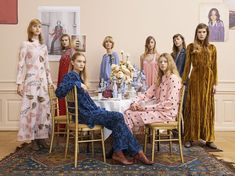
(57, 21)
(8, 11)
(216, 17)
(231, 6)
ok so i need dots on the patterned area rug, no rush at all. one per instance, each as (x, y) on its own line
(25, 161)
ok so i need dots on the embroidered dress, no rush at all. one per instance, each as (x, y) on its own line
(105, 67)
(63, 69)
(160, 104)
(35, 119)
(92, 115)
(150, 67)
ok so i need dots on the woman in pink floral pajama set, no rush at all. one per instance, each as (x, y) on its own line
(35, 118)
(160, 102)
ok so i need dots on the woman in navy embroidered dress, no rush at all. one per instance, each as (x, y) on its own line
(91, 115)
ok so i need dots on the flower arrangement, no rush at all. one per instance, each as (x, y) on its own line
(123, 72)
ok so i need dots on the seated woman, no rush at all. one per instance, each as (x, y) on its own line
(92, 115)
(160, 102)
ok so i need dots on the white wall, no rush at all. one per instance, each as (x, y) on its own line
(129, 22)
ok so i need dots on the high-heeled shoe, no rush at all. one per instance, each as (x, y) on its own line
(120, 157)
(140, 156)
(42, 144)
(34, 145)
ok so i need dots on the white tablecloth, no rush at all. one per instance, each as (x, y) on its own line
(112, 104)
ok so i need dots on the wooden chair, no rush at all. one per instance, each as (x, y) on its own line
(169, 126)
(80, 129)
(57, 119)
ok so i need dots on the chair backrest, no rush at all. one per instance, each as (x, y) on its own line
(180, 114)
(71, 101)
(54, 104)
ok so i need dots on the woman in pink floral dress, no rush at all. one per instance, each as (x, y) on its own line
(35, 118)
(160, 102)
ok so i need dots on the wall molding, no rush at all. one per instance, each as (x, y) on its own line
(224, 99)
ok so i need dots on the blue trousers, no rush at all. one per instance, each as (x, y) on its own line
(123, 139)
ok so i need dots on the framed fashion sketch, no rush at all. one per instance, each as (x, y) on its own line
(216, 16)
(231, 7)
(57, 21)
(79, 42)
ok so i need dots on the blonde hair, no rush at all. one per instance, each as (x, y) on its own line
(70, 44)
(170, 67)
(83, 74)
(30, 33)
(108, 39)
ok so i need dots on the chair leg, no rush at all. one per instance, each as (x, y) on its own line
(103, 146)
(158, 142)
(92, 144)
(170, 142)
(67, 144)
(153, 142)
(52, 135)
(180, 147)
(145, 138)
(76, 149)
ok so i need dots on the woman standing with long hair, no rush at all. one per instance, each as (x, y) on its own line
(199, 111)
(35, 118)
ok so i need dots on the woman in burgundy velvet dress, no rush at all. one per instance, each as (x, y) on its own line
(67, 53)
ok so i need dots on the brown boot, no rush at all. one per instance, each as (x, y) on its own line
(34, 145)
(42, 143)
(140, 156)
(120, 157)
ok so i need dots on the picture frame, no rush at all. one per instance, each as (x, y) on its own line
(231, 7)
(56, 21)
(216, 16)
(79, 42)
(9, 12)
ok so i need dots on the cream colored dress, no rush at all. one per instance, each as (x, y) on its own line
(34, 74)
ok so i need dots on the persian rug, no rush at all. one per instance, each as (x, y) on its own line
(25, 161)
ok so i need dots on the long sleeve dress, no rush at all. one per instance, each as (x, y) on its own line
(105, 67)
(63, 69)
(199, 109)
(160, 104)
(92, 115)
(150, 68)
(35, 118)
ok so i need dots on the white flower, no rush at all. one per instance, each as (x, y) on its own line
(122, 52)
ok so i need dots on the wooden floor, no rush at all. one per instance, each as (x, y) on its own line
(224, 141)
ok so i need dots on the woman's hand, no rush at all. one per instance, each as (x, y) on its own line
(20, 90)
(140, 108)
(133, 106)
(84, 87)
(214, 89)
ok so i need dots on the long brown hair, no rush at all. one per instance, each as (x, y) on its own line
(175, 49)
(83, 74)
(200, 44)
(29, 30)
(170, 67)
(147, 41)
(70, 44)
